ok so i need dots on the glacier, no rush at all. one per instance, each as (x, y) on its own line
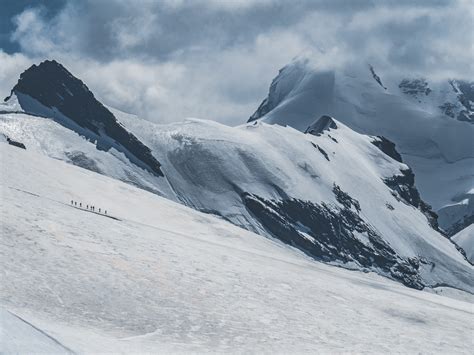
(165, 278)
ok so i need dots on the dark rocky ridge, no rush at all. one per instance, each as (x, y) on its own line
(465, 97)
(376, 77)
(15, 143)
(332, 233)
(324, 123)
(388, 147)
(415, 87)
(55, 87)
(403, 185)
(404, 189)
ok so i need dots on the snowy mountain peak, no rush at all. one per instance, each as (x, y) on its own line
(50, 90)
(430, 121)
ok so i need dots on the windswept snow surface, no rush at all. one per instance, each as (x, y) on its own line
(164, 278)
(17, 336)
(439, 148)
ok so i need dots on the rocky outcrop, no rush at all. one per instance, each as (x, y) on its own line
(403, 187)
(376, 77)
(54, 87)
(332, 233)
(15, 143)
(324, 123)
(388, 147)
(415, 87)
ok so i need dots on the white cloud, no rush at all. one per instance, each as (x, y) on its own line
(12, 65)
(215, 59)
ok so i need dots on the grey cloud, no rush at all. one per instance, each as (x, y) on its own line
(214, 59)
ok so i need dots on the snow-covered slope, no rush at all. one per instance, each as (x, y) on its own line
(327, 194)
(465, 240)
(18, 336)
(160, 277)
(332, 193)
(430, 122)
(45, 135)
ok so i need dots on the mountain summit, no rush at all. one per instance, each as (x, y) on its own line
(430, 121)
(50, 90)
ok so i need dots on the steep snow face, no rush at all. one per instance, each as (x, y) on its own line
(465, 240)
(161, 277)
(435, 141)
(335, 195)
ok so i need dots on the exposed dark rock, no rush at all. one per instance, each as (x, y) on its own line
(404, 188)
(387, 147)
(463, 108)
(330, 233)
(15, 143)
(466, 98)
(407, 272)
(324, 123)
(344, 199)
(56, 88)
(376, 77)
(403, 185)
(321, 150)
(415, 87)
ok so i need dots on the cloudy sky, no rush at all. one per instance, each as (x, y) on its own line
(171, 59)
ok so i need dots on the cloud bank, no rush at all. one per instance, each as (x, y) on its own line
(212, 59)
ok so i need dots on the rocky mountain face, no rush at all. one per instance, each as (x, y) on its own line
(52, 86)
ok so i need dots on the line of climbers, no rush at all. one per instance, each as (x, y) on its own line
(89, 208)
